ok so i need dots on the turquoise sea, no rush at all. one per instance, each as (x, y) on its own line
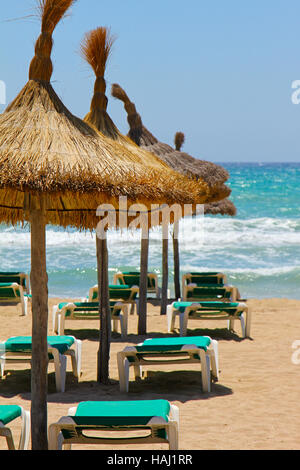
(259, 249)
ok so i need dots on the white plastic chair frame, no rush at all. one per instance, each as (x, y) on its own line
(59, 317)
(59, 360)
(18, 299)
(193, 313)
(156, 423)
(190, 354)
(5, 431)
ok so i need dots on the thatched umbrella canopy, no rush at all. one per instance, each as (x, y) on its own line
(56, 169)
(96, 48)
(214, 175)
(224, 207)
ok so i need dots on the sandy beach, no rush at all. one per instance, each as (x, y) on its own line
(255, 404)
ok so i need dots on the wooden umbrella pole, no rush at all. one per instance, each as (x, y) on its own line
(165, 272)
(39, 363)
(142, 321)
(176, 260)
(104, 311)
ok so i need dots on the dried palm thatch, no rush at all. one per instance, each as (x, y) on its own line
(214, 175)
(224, 207)
(50, 157)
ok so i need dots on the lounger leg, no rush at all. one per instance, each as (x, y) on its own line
(248, 323)
(6, 432)
(115, 326)
(169, 318)
(25, 431)
(54, 319)
(231, 324)
(137, 371)
(205, 369)
(24, 306)
(61, 324)
(173, 436)
(183, 320)
(2, 367)
(215, 359)
(242, 320)
(123, 369)
(60, 365)
(53, 437)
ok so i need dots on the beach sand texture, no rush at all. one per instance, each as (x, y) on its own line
(255, 404)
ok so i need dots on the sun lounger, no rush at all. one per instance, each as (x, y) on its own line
(19, 278)
(18, 349)
(9, 413)
(143, 421)
(131, 279)
(166, 351)
(230, 311)
(12, 293)
(125, 294)
(194, 293)
(88, 311)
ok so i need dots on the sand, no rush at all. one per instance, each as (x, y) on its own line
(255, 404)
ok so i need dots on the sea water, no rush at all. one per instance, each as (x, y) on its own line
(258, 249)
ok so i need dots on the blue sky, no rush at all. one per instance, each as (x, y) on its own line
(220, 71)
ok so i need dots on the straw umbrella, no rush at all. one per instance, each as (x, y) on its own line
(214, 175)
(56, 169)
(96, 49)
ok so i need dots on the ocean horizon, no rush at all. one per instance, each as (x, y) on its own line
(258, 249)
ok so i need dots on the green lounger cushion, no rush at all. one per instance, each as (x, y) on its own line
(121, 292)
(120, 413)
(13, 277)
(9, 412)
(204, 292)
(228, 307)
(24, 343)
(87, 308)
(7, 291)
(172, 344)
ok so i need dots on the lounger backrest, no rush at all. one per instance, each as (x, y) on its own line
(124, 292)
(9, 291)
(133, 279)
(207, 293)
(14, 277)
(204, 278)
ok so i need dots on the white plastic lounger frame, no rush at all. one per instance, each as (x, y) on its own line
(59, 317)
(59, 360)
(192, 313)
(19, 298)
(57, 441)
(188, 354)
(5, 431)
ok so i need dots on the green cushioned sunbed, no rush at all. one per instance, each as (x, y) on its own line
(228, 307)
(88, 308)
(172, 344)
(9, 412)
(24, 343)
(120, 413)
